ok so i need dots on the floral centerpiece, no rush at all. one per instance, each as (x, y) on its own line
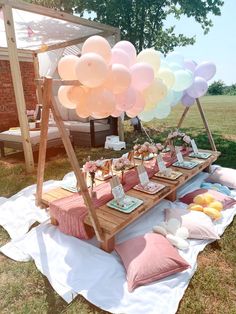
(177, 138)
(122, 164)
(144, 150)
(91, 167)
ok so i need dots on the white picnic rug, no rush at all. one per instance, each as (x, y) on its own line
(78, 267)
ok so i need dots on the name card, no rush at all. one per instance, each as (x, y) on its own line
(143, 176)
(179, 155)
(194, 147)
(117, 189)
(161, 164)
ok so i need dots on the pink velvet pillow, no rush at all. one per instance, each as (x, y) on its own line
(226, 200)
(149, 258)
(224, 176)
(199, 225)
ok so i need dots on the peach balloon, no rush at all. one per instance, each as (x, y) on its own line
(116, 113)
(126, 100)
(66, 67)
(77, 94)
(119, 56)
(129, 48)
(63, 97)
(82, 110)
(91, 70)
(138, 106)
(118, 79)
(142, 75)
(98, 45)
(101, 103)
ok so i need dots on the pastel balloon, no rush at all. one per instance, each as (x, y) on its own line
(91, 70)
(77, 94)
(138, 106)
(175, 57)
(162, 110)
(142, 75)
(176, 98)
(198, 88)
(187, 100)
(129, 48)
(63, 97)
(119, 56)
(116, 113)
(175, 66)
(66, 67)
(82, 110)
(167, 77)
(183, 79)
(146, 116)
(205, 70)
(126, 100)
(154, 93)
(101, 103)
(118, 79)
(190, 65)
(150, 56)
(99, 45)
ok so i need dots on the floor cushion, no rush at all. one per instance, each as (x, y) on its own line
(225, 176)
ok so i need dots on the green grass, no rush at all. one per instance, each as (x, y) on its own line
(23, 289)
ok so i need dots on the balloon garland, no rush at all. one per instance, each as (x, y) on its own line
(117, 80)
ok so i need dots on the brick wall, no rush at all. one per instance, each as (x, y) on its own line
(8, 111)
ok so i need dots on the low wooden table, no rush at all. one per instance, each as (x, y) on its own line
(113, 221)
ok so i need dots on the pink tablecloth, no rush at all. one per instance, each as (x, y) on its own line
(71, 211)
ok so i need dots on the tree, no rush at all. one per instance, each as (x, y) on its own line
(142, 21)
(217, 88)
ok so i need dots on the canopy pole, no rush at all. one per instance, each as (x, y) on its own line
(39, 93)
(210, 137)
(18, 86)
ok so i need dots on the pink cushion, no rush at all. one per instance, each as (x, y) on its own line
(149, 258)
(199, 225)
(226, 200)
(225, 176)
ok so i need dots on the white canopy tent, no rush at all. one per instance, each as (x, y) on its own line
(29, 29)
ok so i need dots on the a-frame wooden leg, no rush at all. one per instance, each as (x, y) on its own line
(183, 117)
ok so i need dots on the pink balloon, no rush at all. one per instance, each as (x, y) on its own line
(142, 75)
(101, 103)
(98, 45)
(126, 100)
(66, 67)
(91, 70)
(118, 79)
(63, 97)
(119, 56)
(198, 88)
(128, 48)
(138, 106)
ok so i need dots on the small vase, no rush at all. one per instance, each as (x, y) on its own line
(92, 192)
(122, 177)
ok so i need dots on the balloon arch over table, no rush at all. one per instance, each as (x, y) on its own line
(117, 80)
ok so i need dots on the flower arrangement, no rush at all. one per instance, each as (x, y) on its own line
(91, 167)
(122, 164)
(176, 137)
(145, 149)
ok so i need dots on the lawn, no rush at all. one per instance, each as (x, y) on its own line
(23, 289)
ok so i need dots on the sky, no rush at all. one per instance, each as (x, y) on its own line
(218, 46)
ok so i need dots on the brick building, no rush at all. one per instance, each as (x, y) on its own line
(8, 110)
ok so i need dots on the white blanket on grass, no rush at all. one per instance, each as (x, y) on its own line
(78, 267)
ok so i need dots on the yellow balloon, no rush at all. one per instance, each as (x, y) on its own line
(154, 93)
(167, 77)
(150, 56)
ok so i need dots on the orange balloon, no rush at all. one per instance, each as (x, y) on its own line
(77, 94)
(101, 103)
(66, 67)
(82, 111)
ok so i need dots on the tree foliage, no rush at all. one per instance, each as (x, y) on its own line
(143, 21)
(217, 88)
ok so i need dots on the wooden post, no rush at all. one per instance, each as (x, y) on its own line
(18, 86)
(43, 140)
(75, 165)
(211, 140)
(182, 117)
(39, 93)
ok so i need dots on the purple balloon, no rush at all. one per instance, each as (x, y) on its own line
(198, 88)
(187, 100)
(205, 70)
(190, 65)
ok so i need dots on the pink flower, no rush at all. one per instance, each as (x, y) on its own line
(159, 146)
(175, 134)
(187, 139)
